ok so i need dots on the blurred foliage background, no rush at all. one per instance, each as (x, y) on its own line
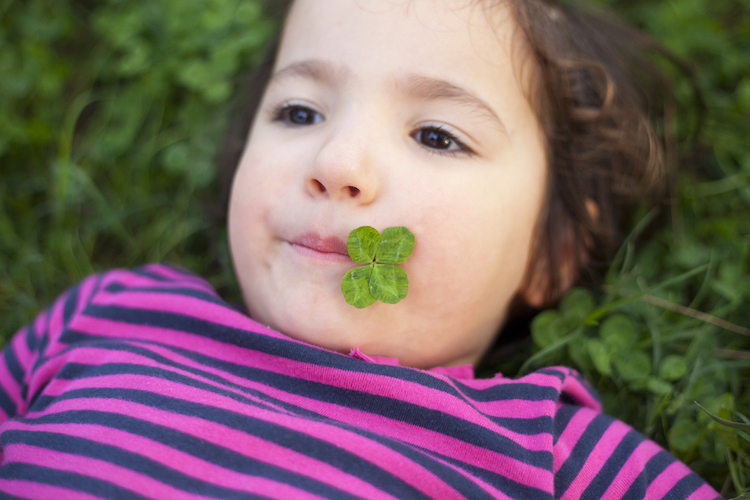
(112, 115)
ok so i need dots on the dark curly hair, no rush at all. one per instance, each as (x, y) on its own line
(596, 93)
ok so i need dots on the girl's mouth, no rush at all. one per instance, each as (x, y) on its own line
(329, 248)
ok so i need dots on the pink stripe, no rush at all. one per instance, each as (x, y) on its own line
(574, 387)
(705, 492)
(596, 459)
(665, 481)
(226, 437)
(97, 469)
(27, 489)
(570, 436)
(178, 277)
(631, 469)
(130, 279)
(56, 319)
(21, 348)
(24, 356)
(184, 305)
(542, 380)
(140, 483)
(385, 458)
(46, 372)
(516, 408)
(84, 294)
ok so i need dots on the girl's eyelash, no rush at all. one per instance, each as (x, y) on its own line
(463, 148)
(309, 116)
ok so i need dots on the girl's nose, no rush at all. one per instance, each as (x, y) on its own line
(344, 169)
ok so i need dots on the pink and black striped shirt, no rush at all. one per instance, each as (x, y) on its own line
(144, 383)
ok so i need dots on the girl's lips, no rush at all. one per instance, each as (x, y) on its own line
(329, 248)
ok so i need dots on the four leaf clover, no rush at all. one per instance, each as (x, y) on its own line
(381, 279)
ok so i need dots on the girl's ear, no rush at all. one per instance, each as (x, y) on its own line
(572, 256)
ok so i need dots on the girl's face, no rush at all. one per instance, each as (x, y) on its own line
(390, 113)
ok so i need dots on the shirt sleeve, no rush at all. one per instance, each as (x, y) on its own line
(32, 345)
(597, 456)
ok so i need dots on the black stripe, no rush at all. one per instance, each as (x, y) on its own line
(508, 486)
(651, 470)
(143, 271)
(7, 404)
(554, 372)
(216, 454)
(526, 426)
(14, 367)
(517, 390)
(31, 339)
(41, 344)
(115, 287)
(563, 416)
(70, 480)
(580, 453)
(606, 476)
(684, 487)
(70, 304)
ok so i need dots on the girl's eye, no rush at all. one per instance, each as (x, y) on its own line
(437, 138)
(295, 114)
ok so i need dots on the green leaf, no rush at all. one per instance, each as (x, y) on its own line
(599, 356)
(389, 283)
(396, 245)
(726, 434)
(362, 244)
(684, 434)
(672, 367)
(579, 353)
(576, 305)
(657, 386)
(618, 333)
(546, 328)
(745, 495)
(726, 422)
(633, 366)
(356, 287)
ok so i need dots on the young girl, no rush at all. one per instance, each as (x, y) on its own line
(472, 123)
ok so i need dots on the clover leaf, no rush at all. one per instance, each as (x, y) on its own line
(362, 243)
(381, 279)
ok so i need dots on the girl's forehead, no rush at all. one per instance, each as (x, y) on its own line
(461, 36)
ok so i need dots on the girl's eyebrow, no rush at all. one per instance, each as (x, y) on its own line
(433, 89)
(314, 69)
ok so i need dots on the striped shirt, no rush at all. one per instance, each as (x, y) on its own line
(144, 383)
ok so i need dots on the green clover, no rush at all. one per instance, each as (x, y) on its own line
(381, 279)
